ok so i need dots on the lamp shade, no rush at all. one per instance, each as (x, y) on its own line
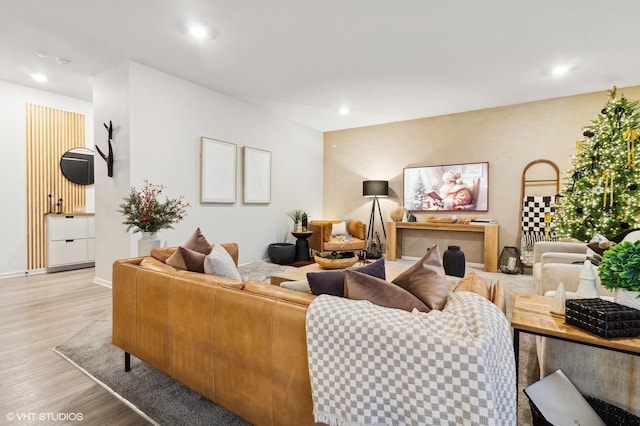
(375, 188)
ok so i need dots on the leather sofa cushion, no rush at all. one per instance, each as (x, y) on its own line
(338, 244)
(156, 265)
(264, 289)
(211, 279)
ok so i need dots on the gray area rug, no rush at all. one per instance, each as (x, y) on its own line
(167, 402)
(162, 399)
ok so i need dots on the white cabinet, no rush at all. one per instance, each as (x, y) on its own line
(70, 241)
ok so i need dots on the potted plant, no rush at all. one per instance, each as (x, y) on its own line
(620, 271)
(144, 212)
(297, 216)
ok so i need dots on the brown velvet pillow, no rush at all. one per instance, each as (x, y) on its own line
(197, 242)
(426, 280)
(473, 283)
(188, 259)
(359, 286)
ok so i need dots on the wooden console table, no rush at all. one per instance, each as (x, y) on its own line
(490, 231)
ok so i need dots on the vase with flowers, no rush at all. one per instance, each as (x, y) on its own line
(620, 271)
(144, 212)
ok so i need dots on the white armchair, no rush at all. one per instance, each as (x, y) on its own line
(560, 262)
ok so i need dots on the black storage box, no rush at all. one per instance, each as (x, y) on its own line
(609, 413)
(603, 318)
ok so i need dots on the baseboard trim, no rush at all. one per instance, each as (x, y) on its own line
(102, 282)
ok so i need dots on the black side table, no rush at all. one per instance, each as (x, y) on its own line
(302, 245)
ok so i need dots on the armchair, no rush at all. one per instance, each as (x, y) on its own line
(330, 235)
(560, 262)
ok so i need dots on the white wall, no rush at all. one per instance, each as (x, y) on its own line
(13, 192)
(162, 119)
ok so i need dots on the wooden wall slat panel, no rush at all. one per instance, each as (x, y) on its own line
(49, 134)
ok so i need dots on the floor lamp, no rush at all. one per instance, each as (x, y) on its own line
(374, 189)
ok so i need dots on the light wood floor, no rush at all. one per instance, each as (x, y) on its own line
(37, 313)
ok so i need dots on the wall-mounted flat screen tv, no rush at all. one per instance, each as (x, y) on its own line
(451, 187)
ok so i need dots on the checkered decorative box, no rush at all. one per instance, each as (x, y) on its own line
(603, 318)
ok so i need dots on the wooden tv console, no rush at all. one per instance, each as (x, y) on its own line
(490, 231)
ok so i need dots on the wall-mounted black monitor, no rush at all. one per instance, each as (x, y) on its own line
(77, 166)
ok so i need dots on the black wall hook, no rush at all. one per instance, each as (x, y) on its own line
(108, 158)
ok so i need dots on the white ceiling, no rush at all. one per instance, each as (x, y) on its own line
(388, 60)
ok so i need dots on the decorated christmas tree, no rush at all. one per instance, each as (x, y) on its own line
(419, 193)
(600, 194)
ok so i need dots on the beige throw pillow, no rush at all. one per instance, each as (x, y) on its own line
(473, 283)
(220, 263)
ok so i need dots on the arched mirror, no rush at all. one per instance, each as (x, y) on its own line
(77, 166)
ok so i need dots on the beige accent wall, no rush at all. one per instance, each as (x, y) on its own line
(507, 137)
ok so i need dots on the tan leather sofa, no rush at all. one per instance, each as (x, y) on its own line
(242, 345)
(322, 240)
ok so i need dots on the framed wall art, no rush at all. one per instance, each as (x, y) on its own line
(217, 171)
(257, 176)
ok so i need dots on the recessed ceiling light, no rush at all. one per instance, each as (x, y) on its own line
(344, 110)
(42, 53)
(198, 31)
(559, 70)
(40, 78)
(64, 61)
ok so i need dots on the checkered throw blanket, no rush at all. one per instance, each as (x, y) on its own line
(371, 365)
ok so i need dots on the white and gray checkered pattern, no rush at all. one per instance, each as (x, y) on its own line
(371, 365)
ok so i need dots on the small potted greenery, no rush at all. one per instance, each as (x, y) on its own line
(297, 216)
(620, 271)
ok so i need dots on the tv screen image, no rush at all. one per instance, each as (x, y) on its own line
(450, 187)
